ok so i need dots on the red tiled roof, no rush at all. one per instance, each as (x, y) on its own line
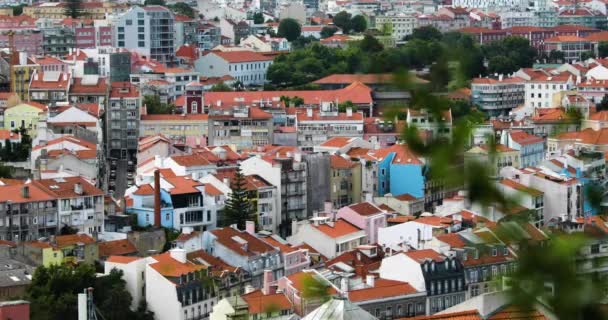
(191, 160)
(144, 190)
(212, 190)
(382, 288)
(338, 162)
(12, 192)
(452, 239)
(337, 142)
(64, 187)
(71, 239)
(187, 236)
(365, 209)
(226, 237)
(514, 313)
(169, 267)
(174, 117)
(524, 138)
(566, 39)
(123, 90)
(421, 255)
(7, 134)
(241, 56)
(461, 315)
(341, 228)
(402, 154)
(122, 259)
(62, 82)
(520, 187)
(261, 303)
(116, 248)
(405, 197)
(183, 185)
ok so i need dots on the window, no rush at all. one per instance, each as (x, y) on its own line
(494, 252)
(505, 251)
(141, 44)
(128, 22)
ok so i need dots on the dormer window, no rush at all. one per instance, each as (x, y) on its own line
(505, 251)
(475, 254)
(433, 266)
(454, 264)
(494, 252)
(447, 265)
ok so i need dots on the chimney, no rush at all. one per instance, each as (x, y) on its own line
(157, 198)
(328, 207)
(36, 76)
(250, 227)
(309, 112)
(344, 285)
(349, 112)
(178, 254)
(65, 76)
(268, 279)
(294, 226)
(78, 188)
(297, 157)
(370, 280)
(25, 191)
(226, 182)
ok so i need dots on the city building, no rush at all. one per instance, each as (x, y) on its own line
(247, 67)
(344, 181)
(498, 96)
(148, 31)
(122, 121)
(314, 127)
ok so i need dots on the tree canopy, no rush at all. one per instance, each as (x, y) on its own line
(358, 23)
(238, 207)
(328, 31)
(54, 290)
(218, 87)
(183, 8)
(73, 8)
(509, 54)
(342, 20)
(602, 49)
(154, 3)
(258, 18)
(290, 29)
(154, 106)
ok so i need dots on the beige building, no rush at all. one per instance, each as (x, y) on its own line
(503, 157)
(90, 10)
(180, 128)
(345, 181)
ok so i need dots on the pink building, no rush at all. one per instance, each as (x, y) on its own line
(28, 41)
(104, 36)
(294, 259)
(84, 37)
(292, 287)
(366, 216)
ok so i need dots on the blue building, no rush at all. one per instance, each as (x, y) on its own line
(531, 148)
(400, 171)
(184, 203)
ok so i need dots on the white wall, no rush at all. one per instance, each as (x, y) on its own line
(395, 236)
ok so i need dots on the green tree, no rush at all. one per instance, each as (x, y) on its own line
(297, 101)
(343, 21)
(501, 65)
(154, 3)
(258, 18)
(370, 44)
(603, 105)
(183, 8)
(556, 56)
(219, 87)
(426, 33)
(73, 8)
(18, 9)
(238, 207)
(290, 29)
(343, 106)
(54, 290)
(5, 172)
(328, 31)
(602, 49)
(517, 50)
(154, 106)
(587, 55)
(358, 23)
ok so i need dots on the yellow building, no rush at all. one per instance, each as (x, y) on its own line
(24, 115)
(6, 11)
(504, 157)
(20, 79)
(70, 249)
(179, 128)
(345, 181)
(90, 10)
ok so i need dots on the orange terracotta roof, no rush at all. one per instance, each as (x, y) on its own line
(524, 138)
(191, 160)
(169, 267)
(122, 259)
(226, 236)
(241, 56)
(116, 248)
(365, 209)
(565, 39)
(71, 239)
(401, 219)
(64, 187)
(520, 187)
(436, 221)
(298, 280)
(187, 236)
(382, 288)
(338, 162)
(7, 134)
(514, 313)
(452, 239)
(337, 142)
(217, 265)
(340, 228)
(62, 82)
(367, 79)
(123, 90)
(317, 116)
(405, 197)
(284, 248)
(261, 303)
(12, 192)
(421, 255)
(144, 190)
(183, 185)
(461, 315)
(599, 116)
(402, 154)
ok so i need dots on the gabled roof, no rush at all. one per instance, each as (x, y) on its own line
(65, 187)
(382, 288)
(524, 138)
(235, 240)
(338, 162)
(242, 56)
(454, 240)
(337, 142)
(520, 187)
(12, 192)
(169, 267)
(191, 160)
(258, 302)
(116, 248)
(341, 228)
(422, 255)
(365, 209)
(402, 154)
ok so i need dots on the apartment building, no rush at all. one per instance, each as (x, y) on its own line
(27, 212)
(498, 96)
(399, 25)
(316, 126)
(540, 90)
(243, 127)
(122, 121)
(284, 168)
(248, 67)
(148, 31)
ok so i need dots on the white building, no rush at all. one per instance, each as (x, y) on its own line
(172, 287)
(330, 238)
(146, 30)
(491, 4)
(400, 25)
(248, 67)
(540, 91)
(314, 127)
